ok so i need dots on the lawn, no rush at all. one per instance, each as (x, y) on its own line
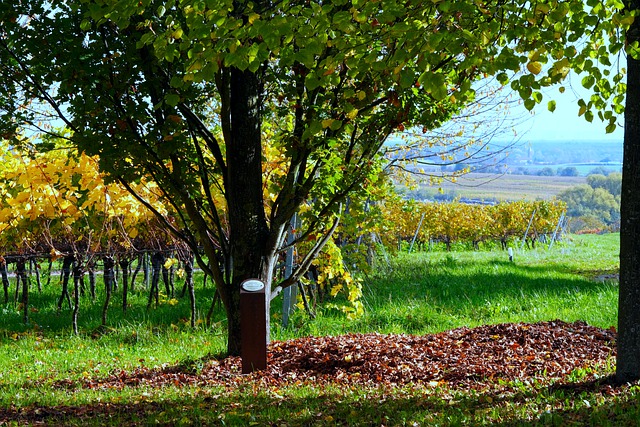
(150, 367)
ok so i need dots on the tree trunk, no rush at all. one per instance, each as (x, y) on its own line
(628, 354)
(167, 279)
(92, 280)
(156, 265)
(109, 279)
(248, 227)
(78, 274)
(124, 266)
(5, 278)
(36, 269)
(136, 271)
(188, 270)
(145, 269)
(49, 270)
(67, 263)
(21, 274)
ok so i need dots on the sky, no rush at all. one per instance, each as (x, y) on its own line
(563, 124)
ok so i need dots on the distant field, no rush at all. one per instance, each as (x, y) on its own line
(510, 187)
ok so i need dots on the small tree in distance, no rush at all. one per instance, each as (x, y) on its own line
(191, 93)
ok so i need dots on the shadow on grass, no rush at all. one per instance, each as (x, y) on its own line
(589, 403)
(45, 317)
(422, 295)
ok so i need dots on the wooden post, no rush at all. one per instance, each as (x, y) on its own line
(253, 326)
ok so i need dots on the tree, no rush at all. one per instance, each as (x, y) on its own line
(568, 171)
(546, 172)
(190, 93)
(628, 345)
(611, 182)
(584, 200)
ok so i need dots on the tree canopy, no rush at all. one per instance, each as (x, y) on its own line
(246, 112)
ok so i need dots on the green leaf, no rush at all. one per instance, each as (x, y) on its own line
(588, 81)
(529, 104)
(551, 106)
(177, 82)
(434, 84)
(172, 99)
(588, 115)
(537, 97)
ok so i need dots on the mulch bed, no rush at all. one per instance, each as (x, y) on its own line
(460, 358)
(492, 358)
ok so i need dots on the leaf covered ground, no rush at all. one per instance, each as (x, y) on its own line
(463, 360)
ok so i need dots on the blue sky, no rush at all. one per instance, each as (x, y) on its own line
(563, 124)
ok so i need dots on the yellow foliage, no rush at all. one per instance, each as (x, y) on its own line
(62, 192)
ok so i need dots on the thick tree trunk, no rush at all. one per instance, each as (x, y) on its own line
(628, 354)
(248, 227)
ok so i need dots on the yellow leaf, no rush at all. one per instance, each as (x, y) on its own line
(327, 123)
(335, 289)
(253, 17)
(534, 67)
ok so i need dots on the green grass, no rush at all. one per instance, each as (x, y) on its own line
(416, 294)
(433, 291)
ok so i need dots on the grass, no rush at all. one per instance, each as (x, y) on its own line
(414, 293)
(433, 291)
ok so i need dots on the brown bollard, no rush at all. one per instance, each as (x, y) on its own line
(253, 326)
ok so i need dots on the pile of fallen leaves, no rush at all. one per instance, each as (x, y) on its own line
(462, 358)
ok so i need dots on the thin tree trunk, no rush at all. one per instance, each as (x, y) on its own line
(36, 268)
(166, 279)
(305, 301)
(188, 272)
(109, 264)
(21, 274)
(216, 300)
(5, 278)
(92, 280)
(156, 267)
(124, 266)
(49, 268)
(78, 274)
(145, 269)
(67, 264)
(136, 271)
